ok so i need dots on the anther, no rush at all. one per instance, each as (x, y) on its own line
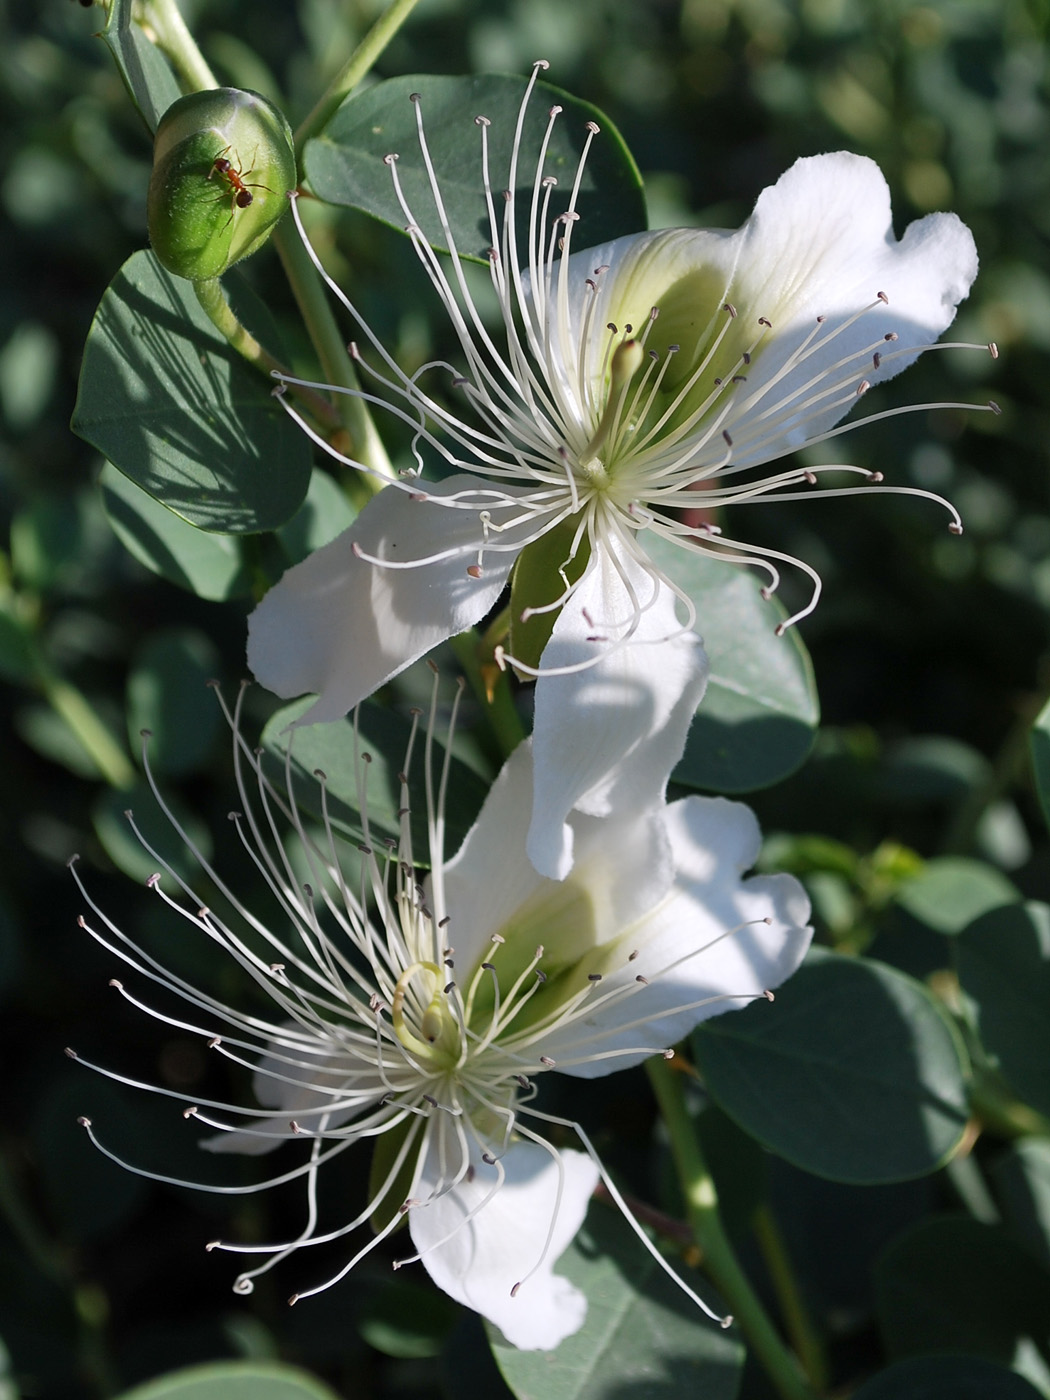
(475, 570)
(954, 528)
(449, 987)
(890, 335)
(994, 407)
(431, 1100)
(293, 1300)
(215, 1042)
(294, 1126)
(729, 440)
(547, 1062)
(71, 1052)
(541, 976)
(514, 1290)
(592, 127)
(768, 995)
(631, 956)
(84, 1121)
(482, 121)
(489, 967)
(488, 1159)
(391, 158)
(554, 111)
(414, 97)
(993, 349)
(876, 359)
(153, 881)
(669, 1053)
(191, 1112)
(728, 306)
(762, 321)
(443, 922)
(117, 983)
(594, 977)
(643, 980)
(883, 298)
(810, 477)
(524, 1081)
(863, 387)
(876, 477)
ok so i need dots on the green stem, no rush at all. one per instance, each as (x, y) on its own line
(108, 756)
(804, 1336)
(357, 66)
(719, 1260)
(493, 691)
(212, 297)
(366, 446)
(175, 40)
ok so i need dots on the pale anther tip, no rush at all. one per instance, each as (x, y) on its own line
(768, 995)
(993, 349)
(71, 1052)
(994, 407)
(541, 63)
(863, 387)
(593, 128)
(390, 158)
(726, 1321)
(116, 983)
(954, 528)
(668, 1054)
(475, 570)
(482, 121)
(415, 97)
(779, 629)
(293, 1300)
(84, 1121)
(554, 111)
(876, 477)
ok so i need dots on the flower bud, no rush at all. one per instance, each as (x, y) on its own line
(223, 163)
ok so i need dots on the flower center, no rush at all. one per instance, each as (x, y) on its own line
(422, 1019)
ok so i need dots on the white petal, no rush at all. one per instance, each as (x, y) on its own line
(609, 735)
(820, 242)
(623, 868)
(338, 626)
(300, 1091)
(494, 1250)
(708, 940)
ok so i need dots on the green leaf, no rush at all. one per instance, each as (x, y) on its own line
(324, 514)
(758, 720)
(1040, 741)
(953, 1284)
(166, 399)
(642, 1336)
(853, 1073)
(1003, 962)
(406, 1319)
(1022, 1176)
(145, 71)
(201, 561)
(331, 748)
(946, 1378)
(345, 164)
(950, 891)
(113, 827)
(168, 695)
(17, 649)
(234, 1380)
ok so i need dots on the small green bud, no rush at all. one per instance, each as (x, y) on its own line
(223, 163)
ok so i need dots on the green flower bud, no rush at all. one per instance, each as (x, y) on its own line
(223, 163)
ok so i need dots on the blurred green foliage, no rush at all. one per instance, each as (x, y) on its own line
(915, 814)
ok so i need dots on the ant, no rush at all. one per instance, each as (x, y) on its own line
(240, 190)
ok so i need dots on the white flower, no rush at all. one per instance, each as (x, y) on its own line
(633, 381)
(424, 1024)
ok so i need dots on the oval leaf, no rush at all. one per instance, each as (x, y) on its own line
(145, 71)
(332, 748)
(234, 1380)
(164, 397)
(346, 163)
(201, 561)
(953, 1284)
(853, 1073)
(642, 1336)
(1003, 961)
(947, 1378)
(758, 719)
(168, 695)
